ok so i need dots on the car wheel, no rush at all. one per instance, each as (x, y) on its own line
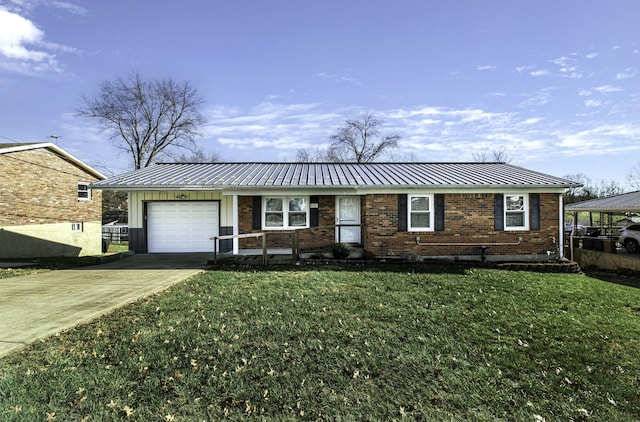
(631, 245)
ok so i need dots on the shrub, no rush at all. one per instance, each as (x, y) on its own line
(411, 256)
(340, 251)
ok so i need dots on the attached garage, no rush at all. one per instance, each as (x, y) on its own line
(182, 226)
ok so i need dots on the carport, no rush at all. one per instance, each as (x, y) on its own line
(614, 212)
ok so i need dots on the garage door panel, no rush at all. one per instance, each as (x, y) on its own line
(182, 226)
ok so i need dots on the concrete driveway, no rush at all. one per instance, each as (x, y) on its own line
(36, 306)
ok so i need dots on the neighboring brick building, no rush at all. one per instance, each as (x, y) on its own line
(47, 207)
(492, 211)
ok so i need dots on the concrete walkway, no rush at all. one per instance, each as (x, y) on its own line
(36, 306)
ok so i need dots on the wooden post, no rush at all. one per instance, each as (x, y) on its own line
(264, 249)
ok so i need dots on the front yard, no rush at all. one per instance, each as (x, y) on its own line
(412, 343)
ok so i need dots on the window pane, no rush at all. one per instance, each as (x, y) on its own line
(298, 219)
(420, 219)
(273, 219)
(420, 203)
(515, 219)
(515, 203)
(297, 204)
(274, 204)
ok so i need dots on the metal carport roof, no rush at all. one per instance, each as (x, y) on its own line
(624, 203)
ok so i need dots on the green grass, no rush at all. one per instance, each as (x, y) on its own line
(118, 247)
(450, 344)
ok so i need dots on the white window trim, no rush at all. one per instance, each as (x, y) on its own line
(525, 205)
(88, 198)
(431, 213)
(285, 212)
(77, 227)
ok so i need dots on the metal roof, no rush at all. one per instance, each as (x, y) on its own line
(331, 175)
(626, 202)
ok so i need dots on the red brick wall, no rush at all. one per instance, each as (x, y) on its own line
(468, 219)
(40, 187)
(307, 238)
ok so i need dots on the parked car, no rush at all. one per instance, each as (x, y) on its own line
(630, 238)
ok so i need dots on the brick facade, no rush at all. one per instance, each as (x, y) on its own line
(469, 218)
(40, 187)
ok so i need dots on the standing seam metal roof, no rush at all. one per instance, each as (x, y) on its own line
(327, 175)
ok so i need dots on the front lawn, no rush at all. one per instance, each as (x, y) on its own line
(441, 344)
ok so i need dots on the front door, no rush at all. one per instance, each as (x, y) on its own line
(348, 212)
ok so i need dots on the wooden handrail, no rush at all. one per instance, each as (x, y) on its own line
(294, 242)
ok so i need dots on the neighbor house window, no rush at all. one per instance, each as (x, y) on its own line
(286, 212)
(516, 212)
(84, 193)
(420, 209)
(76, 227)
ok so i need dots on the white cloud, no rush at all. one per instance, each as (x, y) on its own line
(605, 89)
(627, 73)
(69, 7)
(599, 140)
(591, 56)
(17, 34)
(536, 99)
(542, 72)
(276, 131)
(486, 67)
(593, 103)
(24, 46)
(338, 78)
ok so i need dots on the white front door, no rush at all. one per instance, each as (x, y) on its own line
(348, 212)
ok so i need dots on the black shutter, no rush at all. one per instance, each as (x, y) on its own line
(498, 211)
(534, 211)
(439, 210)
(402, 213)
(314, 214)
(256, 213)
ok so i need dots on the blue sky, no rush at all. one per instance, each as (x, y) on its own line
(556, 84)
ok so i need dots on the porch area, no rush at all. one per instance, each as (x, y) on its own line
(287, 247)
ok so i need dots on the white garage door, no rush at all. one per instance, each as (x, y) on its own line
(182, 226)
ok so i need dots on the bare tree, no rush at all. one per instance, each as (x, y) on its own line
(307, 156)
(360, 141)
(197, 156)
(145, 118)
(590, 189)
(633, 177)
(499, 155)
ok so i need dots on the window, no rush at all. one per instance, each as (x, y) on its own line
(84, 193)
(516, 212)
(286, 212)
(76, 227)
(420, 209)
